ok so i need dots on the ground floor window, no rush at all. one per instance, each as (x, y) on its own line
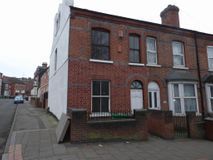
(154, 95)
(183, 97)
(100, 96)
(209, 93)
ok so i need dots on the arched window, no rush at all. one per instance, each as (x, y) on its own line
(136, 95)
(154, 95)
(136, 85)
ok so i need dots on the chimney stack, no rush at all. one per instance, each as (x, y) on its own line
(170, 16)
(44, 65)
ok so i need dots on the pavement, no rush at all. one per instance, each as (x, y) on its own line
(7, 110)
(32, 137)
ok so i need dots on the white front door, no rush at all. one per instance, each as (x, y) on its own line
(136, 99)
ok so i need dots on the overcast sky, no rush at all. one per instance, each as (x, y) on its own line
(26, 26)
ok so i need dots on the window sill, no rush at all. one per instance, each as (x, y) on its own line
(101, 61)
(184, 68)
(184, 114)
(210, 70)
(136, 64)
(153, 65)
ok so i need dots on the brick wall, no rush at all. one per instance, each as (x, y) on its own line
(83, 130)
(44, 89)
(120, 74)
(209, 128)
(160, 123)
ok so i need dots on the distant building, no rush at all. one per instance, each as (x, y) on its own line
(43, 89)
(40, 70)
(39, 92)
(12, 86)
(1, 76)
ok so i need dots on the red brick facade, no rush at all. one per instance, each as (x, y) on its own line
(44, 88)
(120, 74)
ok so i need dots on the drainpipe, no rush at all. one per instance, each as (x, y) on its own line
(199, 76)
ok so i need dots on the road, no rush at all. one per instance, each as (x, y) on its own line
(7, 110)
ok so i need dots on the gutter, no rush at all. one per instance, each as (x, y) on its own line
(199, 75)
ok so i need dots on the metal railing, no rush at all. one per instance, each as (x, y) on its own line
(112, 115)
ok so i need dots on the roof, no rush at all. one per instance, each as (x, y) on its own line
(180, 75)
(134, 22)
(208, 78)
(12, 80)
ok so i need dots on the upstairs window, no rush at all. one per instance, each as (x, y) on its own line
(151, 51)
(134, 49)
(210, 57)
(100, 44)
(57, 23)
(178, 54)
(56, 59)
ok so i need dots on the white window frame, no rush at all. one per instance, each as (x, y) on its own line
(99, 114)
(208, 96)
(209, 57)
(152, 91)
(178, 54)
(181, 96)
(151, 51)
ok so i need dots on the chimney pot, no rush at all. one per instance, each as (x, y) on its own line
(44, 65)
(170, 16)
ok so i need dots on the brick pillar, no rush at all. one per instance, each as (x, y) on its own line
(141, 123)
(78, 125)
(209, 128)
(195, 125)
(169, 131)
(160, 123)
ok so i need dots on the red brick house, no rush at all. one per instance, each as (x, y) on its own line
(105, 63)
(12, 86)
(43, 90)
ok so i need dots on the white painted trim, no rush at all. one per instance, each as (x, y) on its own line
(101, 61)
(181, 96)
(180, 67)
(100, 96)
(177, 54)
(209, 57)
(153, 65)
(136, 64)
(100, 114)
(152, 51)
(208, 94)
(154, 90)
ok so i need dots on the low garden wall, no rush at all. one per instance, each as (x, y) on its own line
(85, 129)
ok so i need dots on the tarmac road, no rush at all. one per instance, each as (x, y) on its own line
(7, 110)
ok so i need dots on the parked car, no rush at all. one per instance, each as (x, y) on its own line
(18, 99)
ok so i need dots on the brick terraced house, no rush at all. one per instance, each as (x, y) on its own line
(104, 63)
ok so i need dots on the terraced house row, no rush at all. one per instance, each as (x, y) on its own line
(104, 63)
